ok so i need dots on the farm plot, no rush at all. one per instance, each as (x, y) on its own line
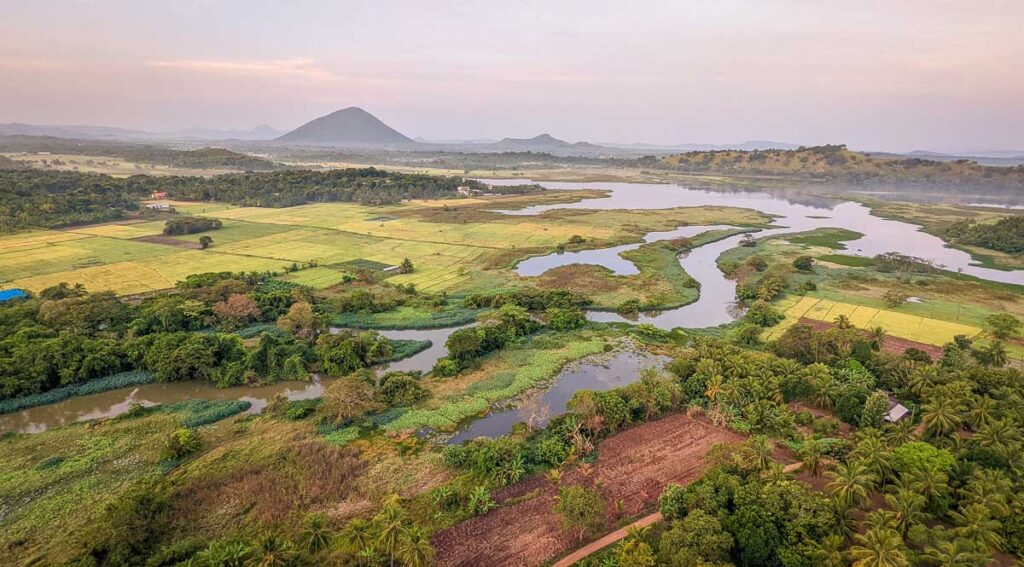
(80, 252)
(632, 468)
(123, 230)
(913, 327)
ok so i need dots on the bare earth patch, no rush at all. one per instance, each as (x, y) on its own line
(168, 241)
(632, 468)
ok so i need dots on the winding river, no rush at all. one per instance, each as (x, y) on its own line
(116, 402)
(715, 306)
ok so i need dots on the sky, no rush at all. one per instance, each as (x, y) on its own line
(882, 75)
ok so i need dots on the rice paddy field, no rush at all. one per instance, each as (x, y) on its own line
(912, 327)
(450, 242)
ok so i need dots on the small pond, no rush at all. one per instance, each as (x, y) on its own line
(587, 374)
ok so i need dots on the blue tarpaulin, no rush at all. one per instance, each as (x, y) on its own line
(12, 294)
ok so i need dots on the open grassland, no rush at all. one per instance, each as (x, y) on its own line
(60, 481)
(453, 244)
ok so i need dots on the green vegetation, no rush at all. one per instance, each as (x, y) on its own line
(1004, 235)
(826, 238)
(190, 225)
(113, 382)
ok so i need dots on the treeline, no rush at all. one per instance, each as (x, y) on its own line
(190, 225)
(67, 336)
(48, 198)
(837, 163)
(202, 158)
(1004, 235)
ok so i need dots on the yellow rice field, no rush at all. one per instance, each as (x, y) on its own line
(912, 327)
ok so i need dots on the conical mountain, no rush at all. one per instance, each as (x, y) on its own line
(348, 126)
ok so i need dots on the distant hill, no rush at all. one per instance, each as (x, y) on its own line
(348, 126)
(261, 132)
(836, 163)
(80, 132)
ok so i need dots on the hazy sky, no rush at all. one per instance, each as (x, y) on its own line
(894, 75)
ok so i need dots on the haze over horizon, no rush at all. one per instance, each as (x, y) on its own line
(918, 75)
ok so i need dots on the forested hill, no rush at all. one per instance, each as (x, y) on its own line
(202, 158)
(839, 164)
(34, 198)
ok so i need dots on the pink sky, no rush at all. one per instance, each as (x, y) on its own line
(892, 75)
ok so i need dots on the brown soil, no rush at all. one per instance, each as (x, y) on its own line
(168, 241)
(890, 343)
(632, 468)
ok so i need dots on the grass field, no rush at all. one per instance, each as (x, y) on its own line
(913, 327)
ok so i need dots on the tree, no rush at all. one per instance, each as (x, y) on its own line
(975, 524)
(236, 311)
(405, 267)
(876, 338)
(205, 241)
(804, 263)
(1003, 325)
(956, 553)
(348, 399)
(317, 535)
(909, 509)
(895, 297)
(357, 536)
(942, 416)
(581, 509)
(875, 408)
(302, 322)
(391, 524)
(851, 484)
(813, 456)
(415, 549)
(878, 548)
(634, 552)
(271, 551)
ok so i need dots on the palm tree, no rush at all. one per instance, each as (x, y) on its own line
(942, 416)
(930, 483)
(843, 322)
(909, 509)
(829, 552)
(357, 536)
(318, 535)
(638, 533)
(714, 387)
(813, 456)
(774, 473)
(871, 450)
(851, 484)
(998, 434)
(923, 379)
(391, 526)
(415, 549)
(272, 551)
(760, 452)
(876, 338)
(991, 489)
(975, 523)
(995, 354)
(980, 413)
(878, 548)
(899, 433)
(956, 553)
(233, 554)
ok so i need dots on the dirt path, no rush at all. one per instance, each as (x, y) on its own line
(632, 469)
(595, 546)
(607, 540)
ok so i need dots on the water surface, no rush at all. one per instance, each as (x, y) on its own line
(615, 372)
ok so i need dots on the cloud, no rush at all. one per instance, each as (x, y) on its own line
(295, 68)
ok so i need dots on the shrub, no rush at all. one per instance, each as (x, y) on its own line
(181, 443)
(919, 456)
(804, 263)
(445, 368)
